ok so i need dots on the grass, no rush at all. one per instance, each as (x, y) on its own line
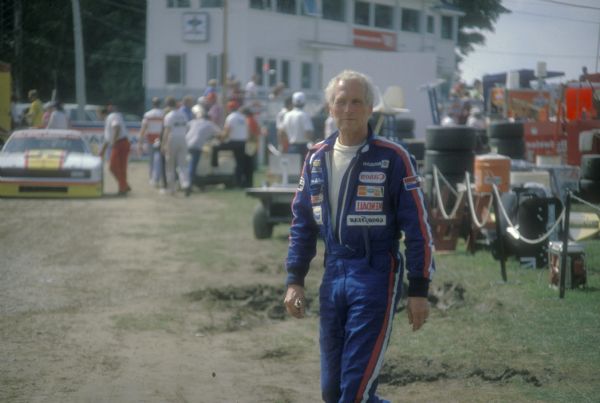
(522, 325)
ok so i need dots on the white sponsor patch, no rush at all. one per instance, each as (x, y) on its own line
(368, 205)
(301, 184)
(382, 163)
(365, 220)
(371, 177)
(318, 214)
(369, 191)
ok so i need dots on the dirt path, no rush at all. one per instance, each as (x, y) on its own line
(148, 298)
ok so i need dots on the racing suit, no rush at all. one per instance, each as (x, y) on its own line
(379, 200)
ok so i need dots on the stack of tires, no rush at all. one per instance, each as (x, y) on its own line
(589, 182)
(451, 149)
(507, 138)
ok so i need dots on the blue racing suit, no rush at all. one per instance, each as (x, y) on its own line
(380, 200)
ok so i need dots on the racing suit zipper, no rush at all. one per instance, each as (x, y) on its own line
(344, 196)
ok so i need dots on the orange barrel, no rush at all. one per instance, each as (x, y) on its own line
(490, 169)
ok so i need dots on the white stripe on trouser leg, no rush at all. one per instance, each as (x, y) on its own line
(388, 331)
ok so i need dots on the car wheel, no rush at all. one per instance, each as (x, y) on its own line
(262, 228)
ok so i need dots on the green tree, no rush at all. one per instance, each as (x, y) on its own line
(114, 47)
(480, 16)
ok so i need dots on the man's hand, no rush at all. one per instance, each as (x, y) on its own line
(418, 311)
(295, 301)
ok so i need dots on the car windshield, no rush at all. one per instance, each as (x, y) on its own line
(22, 144)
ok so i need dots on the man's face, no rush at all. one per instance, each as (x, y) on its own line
(349, 108)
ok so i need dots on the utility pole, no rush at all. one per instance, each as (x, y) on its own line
(79, 60)
(224, 60)
(18, 32)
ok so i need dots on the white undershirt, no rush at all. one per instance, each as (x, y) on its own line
(342, 156)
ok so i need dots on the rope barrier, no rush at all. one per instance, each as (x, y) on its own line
(459, 196)
(485, 219)
(587, 203)
(515, 231)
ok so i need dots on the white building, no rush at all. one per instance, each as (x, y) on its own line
(397, 42)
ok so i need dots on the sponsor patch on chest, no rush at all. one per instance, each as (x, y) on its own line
(318, 214)
(369, 191)
(353, 220)
(371, 177)
(368, 205)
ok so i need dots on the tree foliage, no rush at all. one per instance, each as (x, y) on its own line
(114, 48)
(480, 16)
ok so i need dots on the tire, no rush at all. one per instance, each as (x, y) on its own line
(505, 130)
(590, 167)
(451, 138)
(262, 228)
(589, 190)
(450, 163)
(511, 147)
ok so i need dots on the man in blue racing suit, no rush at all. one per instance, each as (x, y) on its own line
(361, 192)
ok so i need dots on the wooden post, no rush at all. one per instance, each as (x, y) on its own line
(565, 245)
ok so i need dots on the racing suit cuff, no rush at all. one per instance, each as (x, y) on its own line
(294, 278)
(418, 287)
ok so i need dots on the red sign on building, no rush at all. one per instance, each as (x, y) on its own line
(364, 38)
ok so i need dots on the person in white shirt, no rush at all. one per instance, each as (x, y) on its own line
(58, 118)
(174, 147)
(149, 137)
(115, 135)
(235, 134)
(281, 137)
(297, 126)
(200, 130)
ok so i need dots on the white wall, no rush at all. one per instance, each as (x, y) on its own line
(407, 70)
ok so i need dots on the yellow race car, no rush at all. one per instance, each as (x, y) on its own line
(49, 163)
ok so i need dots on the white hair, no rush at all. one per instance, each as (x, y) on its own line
(351, 75)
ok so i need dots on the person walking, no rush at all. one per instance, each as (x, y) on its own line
(116, 136)
(36, 110)
(297, 126)
(200, 130)
(282, 140)
(149, 136)
(174, 148)
(234, 136)
(58, 118)
(360, 192)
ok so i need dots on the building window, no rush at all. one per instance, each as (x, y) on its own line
(258, 69)
(306, 77)
(213, 67)
(447, 27)
(211, 3)
(175, 69)
(362, 11)
(286, 6)
(384, 16)
(334, 10)
(430, 24)
(260, 4)
(272, 72)
(285, 72)
(410, 20)
(178, 3)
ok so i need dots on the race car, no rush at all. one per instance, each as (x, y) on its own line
(49, 163)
